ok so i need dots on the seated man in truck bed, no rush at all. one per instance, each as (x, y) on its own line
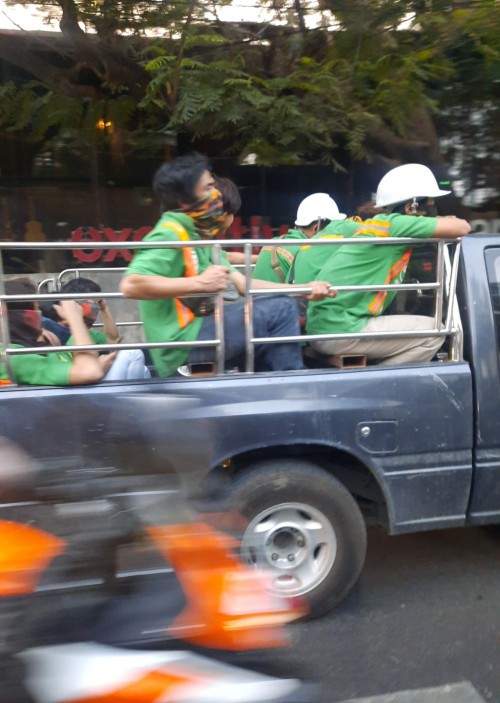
(231, 201)
(161, 278)
(58, 368)
(407, 193)
(314, 213)
(309, 260)
(129, 364)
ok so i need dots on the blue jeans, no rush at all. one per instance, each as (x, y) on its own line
(273, 316)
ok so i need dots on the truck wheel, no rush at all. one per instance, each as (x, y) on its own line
(304, 527)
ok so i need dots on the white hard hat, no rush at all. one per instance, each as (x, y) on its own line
(318, 206)
(406, 182)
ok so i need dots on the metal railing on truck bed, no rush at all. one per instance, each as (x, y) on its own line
(444, 287)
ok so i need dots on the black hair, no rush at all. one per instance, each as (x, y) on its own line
(48, 310)
(81, 285)
(322, 224)
(75, 285)
(230, 195)
(175, 182)
(20, 331)
(400, 208)
(20, 286)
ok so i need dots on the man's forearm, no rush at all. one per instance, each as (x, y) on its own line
(142, 287)
(80, 335)
(259, 284)
(109, 326)
(319, 289)
(239, 283)
(452, 227)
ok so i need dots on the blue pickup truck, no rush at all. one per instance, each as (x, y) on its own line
(309, 458)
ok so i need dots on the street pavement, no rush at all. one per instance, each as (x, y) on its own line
(454, 693)
(421, 626)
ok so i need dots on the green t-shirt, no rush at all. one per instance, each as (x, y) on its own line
(284, 258)
(169, 320)
(310, 260)
(39, 369)
(97, 337)
(365, 265)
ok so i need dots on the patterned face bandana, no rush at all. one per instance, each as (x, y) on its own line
(90, 312)
(208, 214)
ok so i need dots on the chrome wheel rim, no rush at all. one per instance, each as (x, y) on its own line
(295, 543)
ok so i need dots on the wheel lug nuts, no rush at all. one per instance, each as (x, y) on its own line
(274, 557)
(300, 542)
(291, 557)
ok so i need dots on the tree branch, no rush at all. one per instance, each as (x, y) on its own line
(172, 96)
(423, 146)
(55, 78)
(108, 64)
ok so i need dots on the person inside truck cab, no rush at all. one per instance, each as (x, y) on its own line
(56, 368)
(193, 210)
(407, 194)
(314, 213)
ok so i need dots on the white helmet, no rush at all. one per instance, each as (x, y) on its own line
(318, 206)
(406, 182)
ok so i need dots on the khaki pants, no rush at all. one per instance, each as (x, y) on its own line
(388, 351)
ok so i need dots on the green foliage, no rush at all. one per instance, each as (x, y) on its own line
(159, 63)
(291, 96)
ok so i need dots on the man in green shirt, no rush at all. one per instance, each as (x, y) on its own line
(129, 364)
(309, 260)
(54, 369)
(161, 279)
(407, 193)
(314, 213)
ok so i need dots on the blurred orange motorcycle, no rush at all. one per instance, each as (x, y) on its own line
(225, 605)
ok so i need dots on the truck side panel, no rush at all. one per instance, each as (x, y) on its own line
(411, 427)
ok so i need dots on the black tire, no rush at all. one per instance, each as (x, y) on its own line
(275, 488)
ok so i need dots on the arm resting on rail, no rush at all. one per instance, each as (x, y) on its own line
(213, 280)
(238, 257)
(320, 289)
(141, 287)
(450, 226)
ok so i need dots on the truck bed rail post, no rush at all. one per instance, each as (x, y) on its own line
(453, 319)
(4, 326)
(219, 319)
(438, 314)
(77, 272)
(250, 351)
(46, 282)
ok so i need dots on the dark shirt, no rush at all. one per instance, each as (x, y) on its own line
(64, 333)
